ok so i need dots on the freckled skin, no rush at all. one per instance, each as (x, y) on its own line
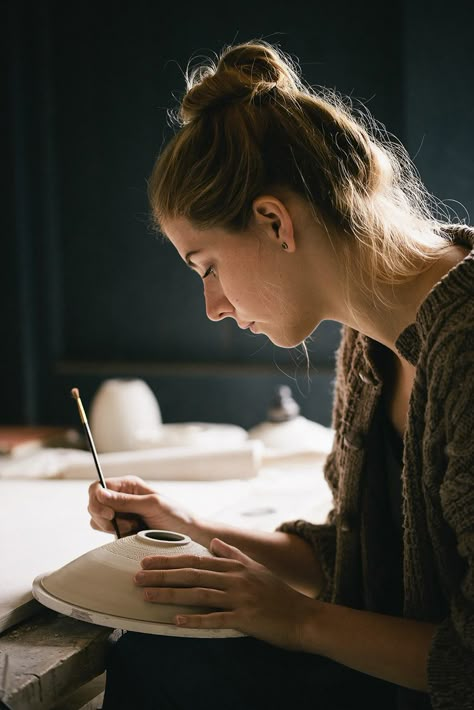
(250, 277)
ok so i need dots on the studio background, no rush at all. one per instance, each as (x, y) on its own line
(87, 290)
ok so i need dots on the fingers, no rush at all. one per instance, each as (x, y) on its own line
(223, 549)
(124, 484)
(187, 596)
(125, 526)
(101, 514)
(214, 584)
(182, 578)
(102, 525)
(197, 562)
(101, 499)
(215, 620)
(125, 502)
(105, 504)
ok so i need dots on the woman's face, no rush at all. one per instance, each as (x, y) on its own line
(250, 277)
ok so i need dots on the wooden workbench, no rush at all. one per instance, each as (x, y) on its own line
(48, 657)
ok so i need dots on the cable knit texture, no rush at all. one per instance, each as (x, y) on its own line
(437, 484)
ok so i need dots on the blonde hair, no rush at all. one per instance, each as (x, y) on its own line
(248, 123)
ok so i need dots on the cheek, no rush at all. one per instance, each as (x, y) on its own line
(240, 285)
(250, 287)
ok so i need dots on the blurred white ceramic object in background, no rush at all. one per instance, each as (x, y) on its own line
(125, 416)
(203, 435)
(287, 432)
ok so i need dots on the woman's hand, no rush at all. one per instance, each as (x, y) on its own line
(247, 596)
(135, 506)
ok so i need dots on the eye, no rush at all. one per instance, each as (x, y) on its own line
(209, 271)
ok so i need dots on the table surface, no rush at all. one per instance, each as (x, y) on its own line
(44, 524)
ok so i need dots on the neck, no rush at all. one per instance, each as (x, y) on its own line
(385, 323)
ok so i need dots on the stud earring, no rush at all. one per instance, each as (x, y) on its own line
(284, 245)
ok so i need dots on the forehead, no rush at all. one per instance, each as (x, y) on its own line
(215, 241)
(184, 235)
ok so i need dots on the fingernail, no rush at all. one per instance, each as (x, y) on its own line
(139, 577)
(180, 620)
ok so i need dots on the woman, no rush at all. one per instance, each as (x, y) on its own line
(293, 211)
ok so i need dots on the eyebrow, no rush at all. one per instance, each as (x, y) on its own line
(188, 256)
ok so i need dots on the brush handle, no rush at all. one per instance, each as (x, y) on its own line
(90, 441)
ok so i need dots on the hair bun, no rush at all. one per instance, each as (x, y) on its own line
(245, 73)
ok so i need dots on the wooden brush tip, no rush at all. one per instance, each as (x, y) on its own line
(75, 393)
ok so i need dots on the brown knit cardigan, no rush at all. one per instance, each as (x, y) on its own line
(356, 550)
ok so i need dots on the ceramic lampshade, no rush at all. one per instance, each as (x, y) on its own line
(98, 586)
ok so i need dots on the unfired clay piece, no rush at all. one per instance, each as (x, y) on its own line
(98, 587)
(125, 415)
(297, 434)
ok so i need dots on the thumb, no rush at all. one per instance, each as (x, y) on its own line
(223, 549)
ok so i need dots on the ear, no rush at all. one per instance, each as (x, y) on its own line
(271, 215)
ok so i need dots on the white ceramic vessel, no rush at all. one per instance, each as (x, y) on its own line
(294, 435)
(98, 586)
(125, 416)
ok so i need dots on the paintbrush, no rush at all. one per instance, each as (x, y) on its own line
(90, 441)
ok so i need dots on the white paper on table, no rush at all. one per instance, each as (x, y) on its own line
(176, 463)
(164, 463)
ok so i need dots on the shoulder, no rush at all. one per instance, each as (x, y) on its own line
(450, 345)
(447, 323)
(449, 378)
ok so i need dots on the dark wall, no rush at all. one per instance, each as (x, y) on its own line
(88, 291)
(439, 100)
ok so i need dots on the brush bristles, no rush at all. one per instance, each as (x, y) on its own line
(75, 393)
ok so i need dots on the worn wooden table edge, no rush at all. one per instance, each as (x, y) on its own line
(42, 659)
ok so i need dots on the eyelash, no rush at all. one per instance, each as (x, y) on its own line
(209, 271)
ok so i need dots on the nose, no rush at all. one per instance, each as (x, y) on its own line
(218, 305)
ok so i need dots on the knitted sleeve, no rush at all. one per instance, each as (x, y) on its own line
(451, 659)
(322, 538)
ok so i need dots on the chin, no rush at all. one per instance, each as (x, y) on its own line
(290, 339)
(286, 341)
